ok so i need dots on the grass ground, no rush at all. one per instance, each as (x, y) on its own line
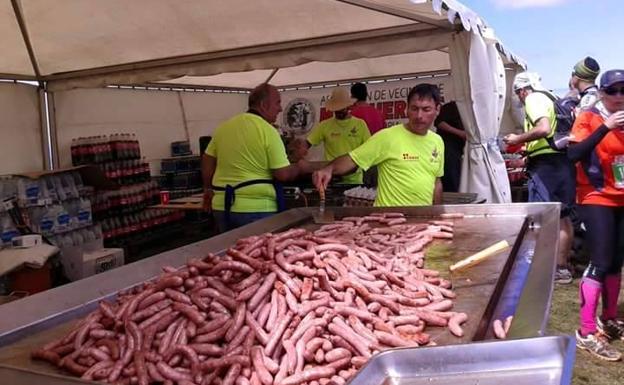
(564, 320)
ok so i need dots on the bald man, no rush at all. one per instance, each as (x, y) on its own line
(245, 163)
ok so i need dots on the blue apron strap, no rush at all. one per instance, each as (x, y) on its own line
(230, 195)
(279, 196)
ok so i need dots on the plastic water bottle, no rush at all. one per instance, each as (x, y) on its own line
(46, 221)
(78, 182)
(7, 229)
(51, 189)
(8, 189)
(58, 186)
(65, 241)
(88, 234)
(85, 215)
(28, 191)
(61, 218)
(77, 238)
(97, 231)
(70, 185)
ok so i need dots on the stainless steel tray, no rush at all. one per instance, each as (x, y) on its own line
(529, 361)
(516, 282)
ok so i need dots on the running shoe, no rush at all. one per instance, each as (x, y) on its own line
(612, 328)
(598, 345)
(563, 276)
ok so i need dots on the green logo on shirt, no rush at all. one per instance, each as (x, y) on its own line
(434, 155)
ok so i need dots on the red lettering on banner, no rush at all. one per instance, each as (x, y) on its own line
(391, 110)
(386, 110)
(399, 109)
(325, 114)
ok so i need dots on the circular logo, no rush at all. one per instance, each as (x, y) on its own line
(299, 116)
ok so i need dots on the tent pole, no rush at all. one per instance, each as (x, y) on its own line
(51, 108)
(44, 131)
(48, 132)
(271, 75)
(184, 122)
(17, 8)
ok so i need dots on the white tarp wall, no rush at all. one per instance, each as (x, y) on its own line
(161, 117)
(20, 129)
(480, 75)
(156, 117)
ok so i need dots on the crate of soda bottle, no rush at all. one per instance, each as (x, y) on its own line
(180, 148)
(103, 148)
(173, 165)
(187, 180)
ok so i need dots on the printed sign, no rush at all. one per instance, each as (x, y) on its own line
(304, 108)
(298, 117)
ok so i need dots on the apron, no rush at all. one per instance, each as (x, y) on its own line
(230, 194)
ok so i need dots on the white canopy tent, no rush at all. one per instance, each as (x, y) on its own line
(69, 44)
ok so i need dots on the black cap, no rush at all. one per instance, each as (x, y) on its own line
(611, 77)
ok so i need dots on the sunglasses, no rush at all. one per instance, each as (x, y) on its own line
(611, 91)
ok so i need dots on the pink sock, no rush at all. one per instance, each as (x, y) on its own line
(610, 295)
(589, 293)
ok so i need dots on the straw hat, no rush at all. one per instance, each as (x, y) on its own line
(339, 100)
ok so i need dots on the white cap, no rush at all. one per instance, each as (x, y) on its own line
(526, 79)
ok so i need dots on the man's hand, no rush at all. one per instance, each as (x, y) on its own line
(207, 202)
(616, 120)
(321, 178)
(512, 139)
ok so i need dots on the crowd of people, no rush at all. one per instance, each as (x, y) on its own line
(587, 178)
(246, 162)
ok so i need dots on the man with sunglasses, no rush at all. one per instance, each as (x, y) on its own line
(551, 174)
(598, 147)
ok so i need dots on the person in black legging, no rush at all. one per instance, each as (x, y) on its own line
(597, 145)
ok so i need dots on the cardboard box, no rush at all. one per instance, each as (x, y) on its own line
(79, 264)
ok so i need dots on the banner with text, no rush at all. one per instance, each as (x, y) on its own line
(304, 108)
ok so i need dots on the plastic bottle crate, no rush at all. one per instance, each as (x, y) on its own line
(187, 180)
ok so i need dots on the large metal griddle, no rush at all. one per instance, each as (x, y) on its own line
(517, 281)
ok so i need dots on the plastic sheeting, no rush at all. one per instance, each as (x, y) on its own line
(479, 78)
(87, 44)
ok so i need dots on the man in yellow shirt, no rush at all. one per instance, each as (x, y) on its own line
(245, 161)
(551, 174)
(410, 156)
(339, 134)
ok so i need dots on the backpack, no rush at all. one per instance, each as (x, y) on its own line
(565, 116)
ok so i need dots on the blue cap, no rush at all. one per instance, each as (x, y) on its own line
(611, 77)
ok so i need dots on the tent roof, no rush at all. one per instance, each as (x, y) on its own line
(75, 43)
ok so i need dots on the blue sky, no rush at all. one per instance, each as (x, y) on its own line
(552, 35)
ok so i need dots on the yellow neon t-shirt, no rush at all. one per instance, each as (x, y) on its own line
(537, 106)
(246, 148)
(338, 138)
(408, 165)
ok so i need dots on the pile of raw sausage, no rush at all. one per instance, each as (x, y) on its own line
(286, 309)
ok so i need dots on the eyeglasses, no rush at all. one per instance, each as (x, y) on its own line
(611, 91)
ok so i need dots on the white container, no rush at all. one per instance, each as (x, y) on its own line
(79, 264)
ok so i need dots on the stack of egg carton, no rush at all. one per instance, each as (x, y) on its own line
(360, 196)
